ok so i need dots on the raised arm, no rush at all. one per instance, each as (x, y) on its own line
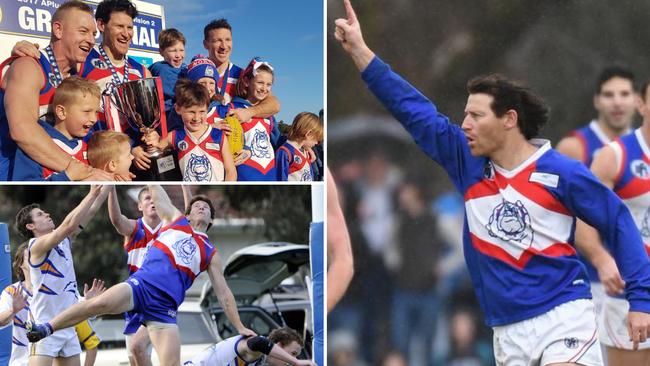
(339, 249)
(187, 196)
(70, 224)
(164, 206)
(225, 296)
(94, 207)
(348, 33)
(121, 223)
(442, 141)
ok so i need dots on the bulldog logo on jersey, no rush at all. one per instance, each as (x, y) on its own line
(306, 176)
(260, 147)
(198, 168)
(640, 169)
(99, 64)
(298, 159)
(185, 250)
(511, 222)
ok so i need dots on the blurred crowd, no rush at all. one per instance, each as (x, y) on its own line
(411, 300)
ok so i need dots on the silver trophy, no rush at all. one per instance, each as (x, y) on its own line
(138, 101)
(141, 104)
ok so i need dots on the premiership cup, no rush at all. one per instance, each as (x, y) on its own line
(141, 104)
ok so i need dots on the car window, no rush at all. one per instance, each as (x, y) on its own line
(261, 271)
(254, 319)
(194, 329)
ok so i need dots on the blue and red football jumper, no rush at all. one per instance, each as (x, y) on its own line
(96, 68)
(27, 169)
(260, 137)
(632, 183)
(519, 225)
(176, 257)
(292, 164)
(200, 159)
(138, 243)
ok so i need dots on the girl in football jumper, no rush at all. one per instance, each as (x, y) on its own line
(256, 162)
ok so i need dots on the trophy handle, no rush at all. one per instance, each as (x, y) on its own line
(110, 93)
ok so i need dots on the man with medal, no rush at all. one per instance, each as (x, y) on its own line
(218, 42)
(28, 87)
(107, 63)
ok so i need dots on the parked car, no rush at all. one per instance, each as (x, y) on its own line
(197, 334)
(269, 282)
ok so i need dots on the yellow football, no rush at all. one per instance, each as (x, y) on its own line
(236, 136)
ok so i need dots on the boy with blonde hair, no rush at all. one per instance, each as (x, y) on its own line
(75, 107)
(292, 161)
(110, 151)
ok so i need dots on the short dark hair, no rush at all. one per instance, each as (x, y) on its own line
(216, 24)
(24, 217)
(644, 90)
(19, 257)
(203, 199)
(189, 93)
(614, 71)
(285, 336)
(108, 7)
(532, 113)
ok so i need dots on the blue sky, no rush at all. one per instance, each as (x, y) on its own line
(286, 33)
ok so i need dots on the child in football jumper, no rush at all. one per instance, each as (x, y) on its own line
(256, 162)
(111, 151)
(203, 151)
(76, 103)
(203, 71)
(291, 159)
(172, 48)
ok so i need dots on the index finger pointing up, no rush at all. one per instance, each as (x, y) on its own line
(352, 17)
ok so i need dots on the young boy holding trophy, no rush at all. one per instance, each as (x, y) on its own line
(203, 151)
